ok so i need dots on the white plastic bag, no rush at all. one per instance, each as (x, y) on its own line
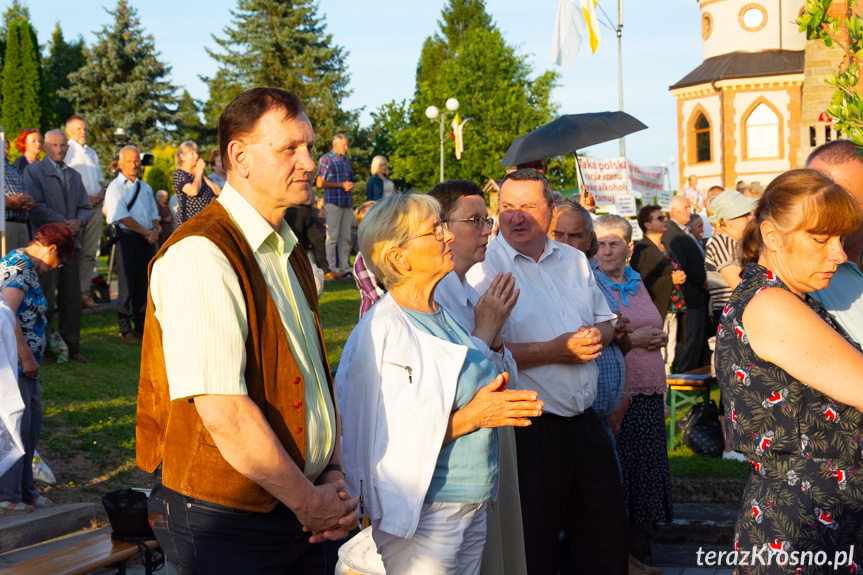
(41, 471)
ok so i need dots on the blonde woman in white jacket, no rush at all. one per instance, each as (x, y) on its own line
(419, 403)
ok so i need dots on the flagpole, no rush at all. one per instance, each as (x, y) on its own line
(620, 69)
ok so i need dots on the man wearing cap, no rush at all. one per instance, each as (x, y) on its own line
(843, 298)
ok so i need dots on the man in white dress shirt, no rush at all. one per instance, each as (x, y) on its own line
(83, 159)
(568, 473)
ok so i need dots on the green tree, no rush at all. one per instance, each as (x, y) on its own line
(283, 43)
(21, 79)
(467, 59)
(845, 30)
(160, 174)
(123, 85)
(190, 126)
(63, 59)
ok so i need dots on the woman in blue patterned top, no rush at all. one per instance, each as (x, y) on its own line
(19, 286)
(792, 384)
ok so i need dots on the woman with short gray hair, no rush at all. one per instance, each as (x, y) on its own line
(419, 402)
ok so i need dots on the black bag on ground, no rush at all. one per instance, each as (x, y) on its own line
(127, 512)
(700, 430)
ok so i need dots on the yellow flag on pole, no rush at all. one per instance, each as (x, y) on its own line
(458, 135)
(588, 8)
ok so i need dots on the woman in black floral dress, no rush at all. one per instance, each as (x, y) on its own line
(793, 386)
(194, 190)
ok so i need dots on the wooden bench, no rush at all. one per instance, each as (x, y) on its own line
(683, 392)
(81, 557)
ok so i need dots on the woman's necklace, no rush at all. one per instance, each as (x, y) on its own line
(439, 319)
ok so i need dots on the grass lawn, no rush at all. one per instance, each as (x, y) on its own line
(88, 437)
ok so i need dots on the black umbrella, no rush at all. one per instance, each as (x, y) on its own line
(568, 134)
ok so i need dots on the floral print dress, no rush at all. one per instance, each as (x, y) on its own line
(675, 303)
(17, 271)
(806, 491)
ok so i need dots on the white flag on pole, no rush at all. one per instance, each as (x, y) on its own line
(568, 32)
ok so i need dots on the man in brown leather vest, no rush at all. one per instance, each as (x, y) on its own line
(235, 408)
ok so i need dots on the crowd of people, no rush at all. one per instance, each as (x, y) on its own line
(499, 407)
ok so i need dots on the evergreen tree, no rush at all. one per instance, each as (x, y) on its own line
(469, 60)
(123, 85)
(283, 43)
(189, 125)
(21, 79)
(63, 59)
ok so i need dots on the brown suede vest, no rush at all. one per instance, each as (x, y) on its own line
(171, 433)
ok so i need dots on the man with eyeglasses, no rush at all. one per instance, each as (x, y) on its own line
(567, 469)
(465, 216)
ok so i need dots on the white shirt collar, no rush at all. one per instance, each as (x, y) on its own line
(512, 253)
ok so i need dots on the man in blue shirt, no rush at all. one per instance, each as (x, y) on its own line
(335, 177)
(843, 298)
(130, 203)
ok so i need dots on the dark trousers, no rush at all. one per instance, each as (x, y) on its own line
(132, 296)
(65, 281)
(16, 485)
(695, 334)
(199, 537)
(569, 480)
(305, 225)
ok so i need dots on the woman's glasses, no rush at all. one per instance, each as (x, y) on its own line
(437, 230)
(477, 221)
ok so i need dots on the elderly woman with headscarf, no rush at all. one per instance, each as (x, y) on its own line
(791, 381)
(419, 402)
(640, 443)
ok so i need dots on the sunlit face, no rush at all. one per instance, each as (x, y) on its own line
(33, 144)
(848, 175)
(696, 226)
(657, 224)
(279, 159)
(734, 227)
(189, 158)
(525, 216)
(430, 259)
(56, 146)
(808, 261)
(469, 245)
(613, 251)
(681, 210)
(77, 131)
(383, 168)
(129, 163)
(568, 227)
(340, 146)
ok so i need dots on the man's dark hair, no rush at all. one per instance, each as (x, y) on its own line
(836, 152)
(447, 193)
(645, 214)
(241, 116)
(531, 175)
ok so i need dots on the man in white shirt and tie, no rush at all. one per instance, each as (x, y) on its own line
(568, 474)
(83, 159)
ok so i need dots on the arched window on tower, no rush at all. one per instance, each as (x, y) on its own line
(702, 139)
(762, 133)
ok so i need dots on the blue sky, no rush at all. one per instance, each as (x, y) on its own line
(384, 38)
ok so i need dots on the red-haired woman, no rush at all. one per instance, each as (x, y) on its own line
(19, 286)
(791, 382)
(29, 143)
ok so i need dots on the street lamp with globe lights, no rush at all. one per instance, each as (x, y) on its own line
(433, 114)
